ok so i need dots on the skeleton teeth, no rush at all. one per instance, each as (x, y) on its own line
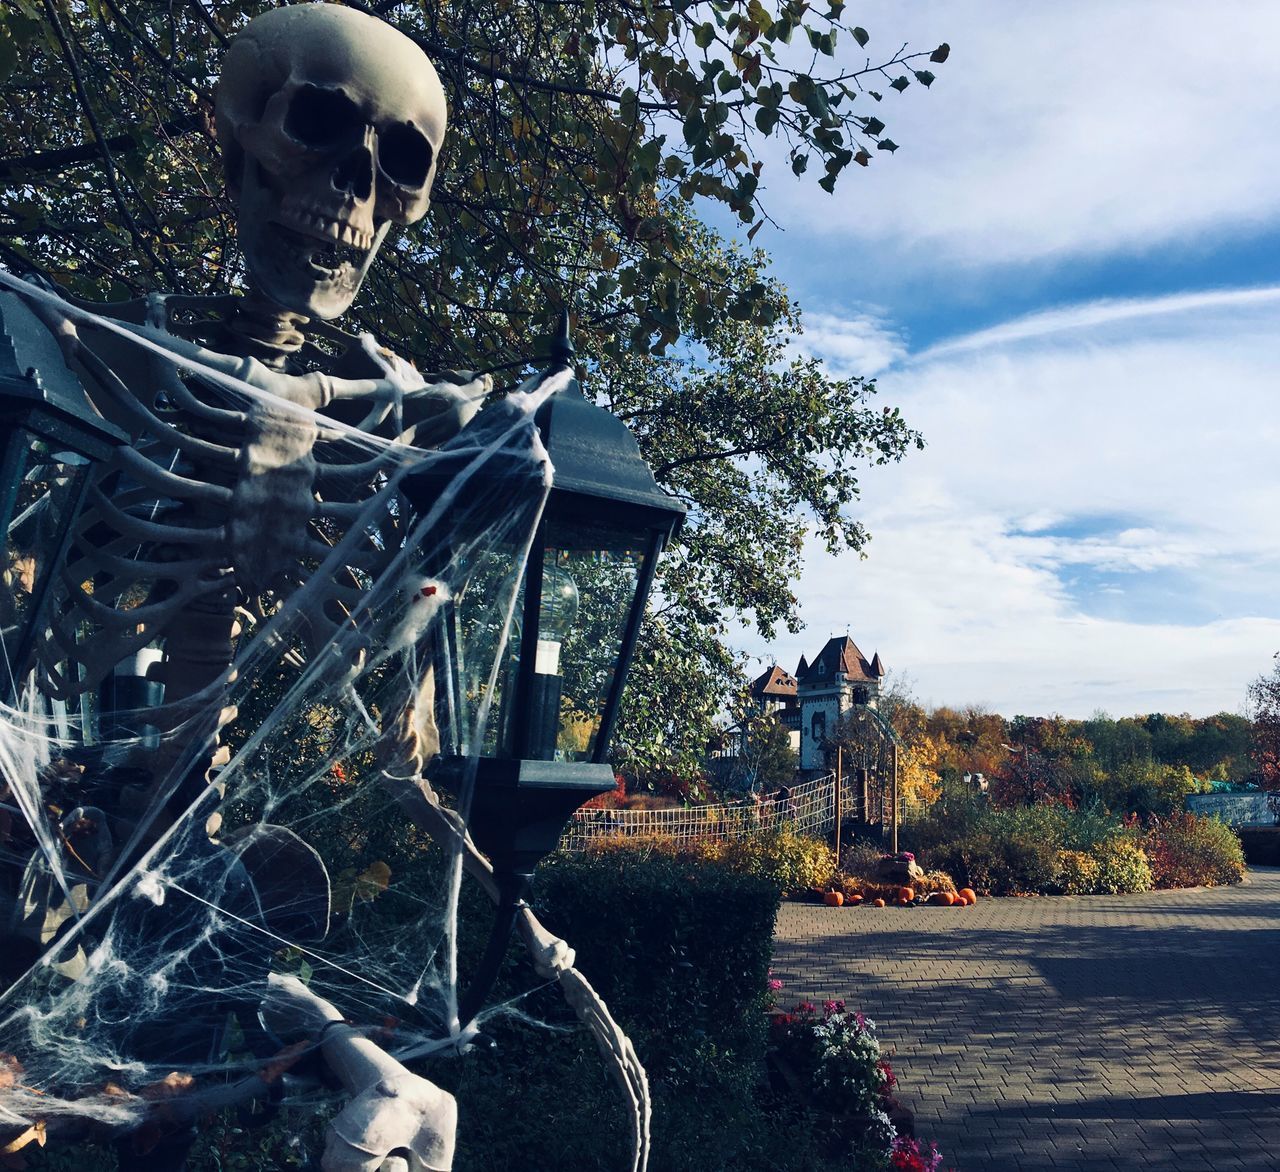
(312, 222)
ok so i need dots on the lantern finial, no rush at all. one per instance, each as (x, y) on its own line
(561, 345)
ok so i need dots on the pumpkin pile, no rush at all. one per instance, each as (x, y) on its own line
(846, 895)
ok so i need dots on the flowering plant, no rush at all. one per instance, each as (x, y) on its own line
(906, 1155)
(838, 1055)
(834, 1062)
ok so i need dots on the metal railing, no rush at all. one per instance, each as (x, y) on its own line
(810, 809)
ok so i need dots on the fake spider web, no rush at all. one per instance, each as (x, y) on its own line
(145, 938)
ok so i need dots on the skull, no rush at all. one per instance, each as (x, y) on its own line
(330, 123)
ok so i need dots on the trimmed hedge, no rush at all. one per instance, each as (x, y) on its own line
(679, 947)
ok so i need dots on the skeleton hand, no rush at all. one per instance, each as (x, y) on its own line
(400, 1119)
(395, 1121)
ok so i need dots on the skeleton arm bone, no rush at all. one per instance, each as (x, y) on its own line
(552, 958)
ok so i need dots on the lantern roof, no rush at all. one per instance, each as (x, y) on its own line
(38, 390)
(593, 452)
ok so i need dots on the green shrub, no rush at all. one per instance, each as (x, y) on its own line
(987, 861)
(794, 861)
(1122, 867)
(1189, 851)
(1077, 873)
(677, 946)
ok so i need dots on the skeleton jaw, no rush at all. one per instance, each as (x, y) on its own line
(301, 256)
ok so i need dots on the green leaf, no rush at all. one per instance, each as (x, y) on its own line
(861, 36)
(940, 54)
(924, 77)
(704, 34)
(873, 126)
(766, 120)
(887, 144)
(899, 84)
(828, 183)
(799, 164)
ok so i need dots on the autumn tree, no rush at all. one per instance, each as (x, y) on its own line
(1264, 711)
(969, 740)
(584, 138)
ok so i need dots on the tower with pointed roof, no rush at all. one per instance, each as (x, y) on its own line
(838, 678)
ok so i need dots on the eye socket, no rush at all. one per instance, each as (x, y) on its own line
(318, 117)
(404, 154)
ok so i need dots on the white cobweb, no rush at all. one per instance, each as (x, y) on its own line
(138, 938)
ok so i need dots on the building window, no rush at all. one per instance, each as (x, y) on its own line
(861, 695)
(819, 726)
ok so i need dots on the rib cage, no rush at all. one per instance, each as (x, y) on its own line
(226, 502)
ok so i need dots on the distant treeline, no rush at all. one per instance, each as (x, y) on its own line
(1132, 764)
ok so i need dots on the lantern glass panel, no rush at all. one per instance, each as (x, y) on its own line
(493, 591)
(590, 575)
(42, 488)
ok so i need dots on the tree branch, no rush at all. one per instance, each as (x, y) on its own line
(42, 162)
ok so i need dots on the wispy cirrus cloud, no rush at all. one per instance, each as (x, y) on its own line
(1059, 131)
(1103, 312)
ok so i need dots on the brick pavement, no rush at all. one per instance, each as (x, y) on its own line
(1111, 1032)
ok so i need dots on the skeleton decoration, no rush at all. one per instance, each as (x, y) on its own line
(191, 922)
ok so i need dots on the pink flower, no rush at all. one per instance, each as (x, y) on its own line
(773, 984)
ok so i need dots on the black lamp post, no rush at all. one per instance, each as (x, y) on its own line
(51, 438)
(578, 612)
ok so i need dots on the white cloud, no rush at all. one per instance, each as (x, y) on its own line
(1071, 472)
(859, 343)
(1061, 130)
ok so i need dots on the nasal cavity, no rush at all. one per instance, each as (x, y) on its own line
(354, 174)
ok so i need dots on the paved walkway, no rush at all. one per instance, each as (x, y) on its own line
(1113, 1032)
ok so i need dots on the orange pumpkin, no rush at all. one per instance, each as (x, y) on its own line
(853, 900)
(877, 903)
(905, 895)
(833, 899)
(961, 900)
(969, 895)
(942, 899)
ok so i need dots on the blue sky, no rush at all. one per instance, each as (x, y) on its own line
(1068, 277)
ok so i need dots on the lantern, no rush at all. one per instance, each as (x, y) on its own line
(52, 440)
(564, 660)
